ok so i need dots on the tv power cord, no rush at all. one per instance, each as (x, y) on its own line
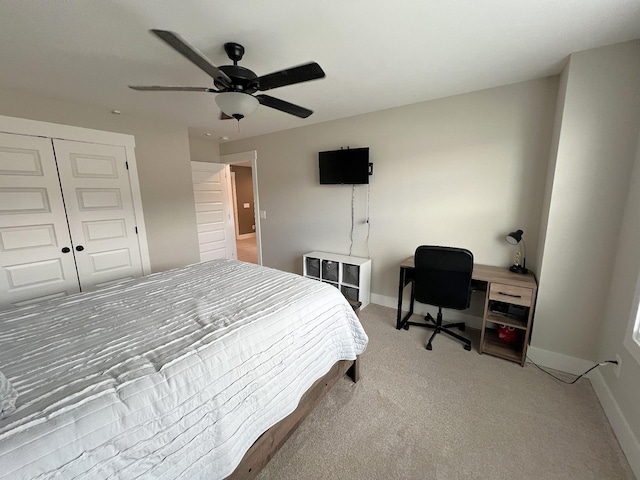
(614, 362)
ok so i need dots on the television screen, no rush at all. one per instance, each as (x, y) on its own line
(350, 166)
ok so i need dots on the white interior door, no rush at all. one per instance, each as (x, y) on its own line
(216, 227)
(98, 200)
(36, 260)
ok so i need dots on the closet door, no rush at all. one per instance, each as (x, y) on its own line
(36, 260)
(100, 212)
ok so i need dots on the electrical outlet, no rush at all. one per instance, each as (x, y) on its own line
(616, 368)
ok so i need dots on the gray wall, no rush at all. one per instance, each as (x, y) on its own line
(462, 171)
(162, 156)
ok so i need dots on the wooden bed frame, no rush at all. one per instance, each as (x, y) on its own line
(270, 442)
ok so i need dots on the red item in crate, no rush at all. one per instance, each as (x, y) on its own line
(507, 334)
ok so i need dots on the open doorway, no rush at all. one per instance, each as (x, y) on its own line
(245, 200)
(244, 212)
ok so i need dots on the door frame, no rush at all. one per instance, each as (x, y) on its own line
(24, 126)
(252, 157)
(234, 202)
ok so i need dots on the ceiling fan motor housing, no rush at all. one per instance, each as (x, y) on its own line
(244, 80)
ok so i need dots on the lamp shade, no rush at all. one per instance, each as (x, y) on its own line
(237, 104)
(514, 238)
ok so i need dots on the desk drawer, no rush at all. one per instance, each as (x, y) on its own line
(511, 294)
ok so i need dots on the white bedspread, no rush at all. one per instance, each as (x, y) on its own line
(173, 375)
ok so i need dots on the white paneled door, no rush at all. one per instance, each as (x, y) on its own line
(36, 256)
(216, 229)
(95, 182)
(67, 221)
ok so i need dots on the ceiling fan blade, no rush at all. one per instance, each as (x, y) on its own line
(191, 53)
(224, 116)
(283, 106)
(157, 88)
(289, 76)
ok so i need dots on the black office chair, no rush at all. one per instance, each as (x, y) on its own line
(442, 278)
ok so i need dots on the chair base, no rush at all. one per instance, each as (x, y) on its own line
(438, 327)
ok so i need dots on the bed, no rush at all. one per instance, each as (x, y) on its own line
(175, 375)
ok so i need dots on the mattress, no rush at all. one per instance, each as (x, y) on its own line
(173, 375)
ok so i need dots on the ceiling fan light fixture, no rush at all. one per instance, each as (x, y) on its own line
(237, 104)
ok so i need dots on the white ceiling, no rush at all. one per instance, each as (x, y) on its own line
(376, 54)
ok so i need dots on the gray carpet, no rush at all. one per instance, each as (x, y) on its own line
(449, 414)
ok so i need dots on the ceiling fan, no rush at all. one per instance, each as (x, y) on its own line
(235, 85)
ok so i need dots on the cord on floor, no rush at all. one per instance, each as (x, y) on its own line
(615, 362)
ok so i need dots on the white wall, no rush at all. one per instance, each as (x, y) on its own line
(162, 156)
(590, 260)
(596, 149)
(204, 150)
(553, 154)
(619, 395)
(462, 171)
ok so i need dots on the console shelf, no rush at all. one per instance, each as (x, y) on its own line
(351, 275)
(494, 346)
(499, 318)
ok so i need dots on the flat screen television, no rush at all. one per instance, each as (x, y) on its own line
(349, 166)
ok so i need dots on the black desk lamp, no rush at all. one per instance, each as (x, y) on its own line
(514, 238)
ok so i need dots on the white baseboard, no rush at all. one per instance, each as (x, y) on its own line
(628, 441)
(557, 361)
(420, 309)
(385, 301)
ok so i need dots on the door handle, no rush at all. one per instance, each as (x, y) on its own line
(79, 248)
(510, 295)
(66, 250)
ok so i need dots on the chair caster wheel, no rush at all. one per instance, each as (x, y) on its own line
(467, 348)
(428, 346)
(406, 327)
(461, 328)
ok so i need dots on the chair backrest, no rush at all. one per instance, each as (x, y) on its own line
(443, 276)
